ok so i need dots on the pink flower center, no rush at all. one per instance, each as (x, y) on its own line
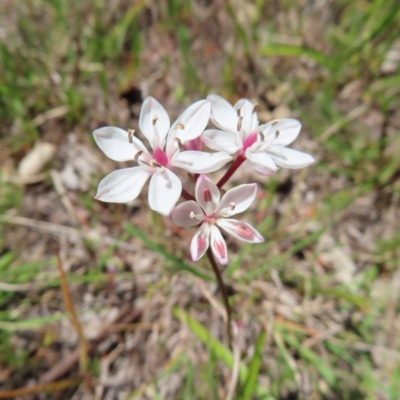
(244, 231)
(220, 248)
(160, 156)
(251, 139)
(201, 243)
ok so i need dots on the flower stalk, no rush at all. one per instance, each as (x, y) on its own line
(223, 289)
(231, 170)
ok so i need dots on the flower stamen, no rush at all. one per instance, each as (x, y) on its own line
(239, 124)
(155, 163)
(179, 125)
(131, 132)
(137, 155)
(177, 140)
(155, 118)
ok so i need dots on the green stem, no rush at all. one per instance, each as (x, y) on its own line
(224, 292)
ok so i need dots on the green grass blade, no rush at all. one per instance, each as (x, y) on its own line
(220, 351)
(178, 263)
(297, 51)
(325, 370)
(254, 368)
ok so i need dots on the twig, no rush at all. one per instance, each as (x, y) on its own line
(69, 305)
(15, 287)
(50, 114)
(353, 114)
(65, 230)
(42, 387)
(60, 189)
(69, 362)
(224, 292)
(211, 299)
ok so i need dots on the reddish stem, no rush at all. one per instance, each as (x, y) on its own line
(187, 196)
(236, 164)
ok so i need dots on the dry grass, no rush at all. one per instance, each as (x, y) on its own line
(325, 285)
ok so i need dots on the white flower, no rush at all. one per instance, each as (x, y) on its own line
(263, 146)
(212, 213)
(125, 185)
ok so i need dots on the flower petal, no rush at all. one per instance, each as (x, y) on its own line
(282, 131)
(164, 191)
(245, 109)
(200, 242)
(207, 194)
(191, 123)
(199, 162)
(289, 158)
(153, 115)
(122, 185)
(114, 142)
(223, 115)
(181, 215)
(237, 200)
(261, 162)
(221, 141)
(218, 245)
(240, 230)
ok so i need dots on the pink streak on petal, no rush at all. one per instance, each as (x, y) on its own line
(250, 140)
(220, 248)
(160, 156)
(201, 243)
(195, 144)
(244, 231)
(207, 195)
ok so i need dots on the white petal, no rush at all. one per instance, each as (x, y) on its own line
(122, 185)
(282, 131)
(207, 194)
(199, 162)
(240, 230)
(221, 141)
(164, 191)
(181, 215)
(245, 109)
(218, 246)
(237, 200)
(289, 158)
(191, 123)
(223, 115)
(153, 114)
(261, 162)
(114, 142)
(200, 242)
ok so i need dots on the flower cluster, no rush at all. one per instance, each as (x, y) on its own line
(239, 137)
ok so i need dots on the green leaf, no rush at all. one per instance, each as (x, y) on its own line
(254, 368)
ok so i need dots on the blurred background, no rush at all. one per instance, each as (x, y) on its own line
(317, 303)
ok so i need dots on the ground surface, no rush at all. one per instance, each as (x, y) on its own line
(324, 287)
